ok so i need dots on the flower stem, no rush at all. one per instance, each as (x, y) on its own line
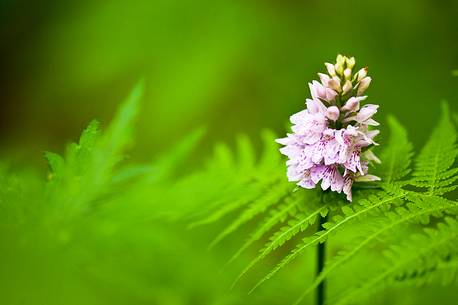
(321, 256)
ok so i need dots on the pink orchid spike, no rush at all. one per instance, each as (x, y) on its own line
(332, 138)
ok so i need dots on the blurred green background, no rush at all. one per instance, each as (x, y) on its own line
(232, 66)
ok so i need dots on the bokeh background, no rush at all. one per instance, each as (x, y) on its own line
(232, 66)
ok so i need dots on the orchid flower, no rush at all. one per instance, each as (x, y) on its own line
(332, 138)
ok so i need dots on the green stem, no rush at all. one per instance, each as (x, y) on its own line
(321, 256)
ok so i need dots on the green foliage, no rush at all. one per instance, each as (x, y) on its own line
(85, 173)
(406, 200)
(433, 165)
(396, 158)
(93, 206)
(299, 223)
(88, 229)
(416, 258)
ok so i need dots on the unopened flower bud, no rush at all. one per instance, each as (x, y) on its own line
(352, 104)
(340, 60)
(347, 73)
(334, 84)
(339, 68)
(367, 178)
(363, 84)
(361, 74)
(370, 156)
(350, 62)
(346, 87)
(319, 91)
(330, 68)
(332, 113)
(324, 78)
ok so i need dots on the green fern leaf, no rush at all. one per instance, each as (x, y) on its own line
(270, 159)
(56, 165)
(238, 179)
(433, 165)
(79, 155)
(245, 153)
(396, 157)
(418, 251)
(363, 208)
(86, 171)
(276, 216)
(299, 224)
(260, 205)
(419, 210)
(118, 135)
(168, 164)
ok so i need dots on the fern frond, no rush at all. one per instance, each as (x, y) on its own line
(262, 188)
(234, 196)
(433, 165)
(119, 133)
(239, 179)
(223, 158)
(445, 273)
(442, 271)
(117, 136)
(299, 224)
(86, 171)
(79, 155)
(420, 251)
(272, 196)
(56, 165)
(359, 209)
(246, 154)
(276, 216)
(270, 159)
(418, 210)
(397, 154)
(168, 164)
